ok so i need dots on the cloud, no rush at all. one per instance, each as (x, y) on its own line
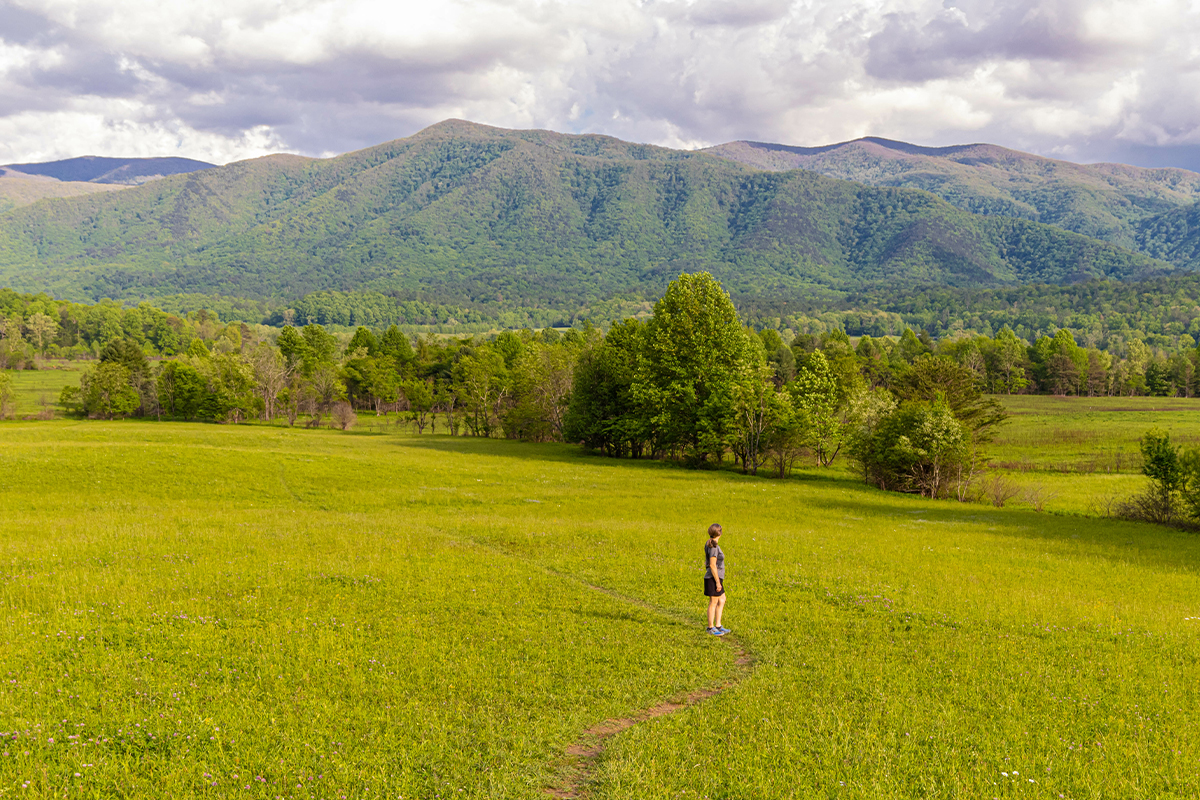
(229, 79)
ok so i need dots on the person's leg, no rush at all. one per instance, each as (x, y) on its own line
(712, 611)
(719, 610)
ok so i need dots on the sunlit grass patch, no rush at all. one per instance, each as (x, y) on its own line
(1087, 434)
(36, 391)
(327, 614)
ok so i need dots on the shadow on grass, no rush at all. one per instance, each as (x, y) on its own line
(1116, 540)
(575, 454)
(530, 451)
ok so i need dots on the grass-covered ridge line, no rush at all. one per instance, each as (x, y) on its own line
(411, 616)
(532, 219)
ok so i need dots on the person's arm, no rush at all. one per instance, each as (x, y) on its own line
(712, 567)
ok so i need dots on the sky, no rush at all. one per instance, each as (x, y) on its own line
(225, 80)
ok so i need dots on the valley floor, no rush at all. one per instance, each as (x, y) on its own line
(217, 611)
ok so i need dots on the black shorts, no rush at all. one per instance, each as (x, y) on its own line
(710, 587)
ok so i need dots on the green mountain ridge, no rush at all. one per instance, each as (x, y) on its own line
(1117, 203)
(469, 213)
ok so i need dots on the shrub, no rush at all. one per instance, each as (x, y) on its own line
(1038, 496)
(1173, 475)
(343, 415)
(999, 489)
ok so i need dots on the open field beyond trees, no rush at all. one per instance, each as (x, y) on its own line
(1080, 455)
(227, 611)
(36, 391)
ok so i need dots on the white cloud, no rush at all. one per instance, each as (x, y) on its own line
(225, 79)
(115, 131)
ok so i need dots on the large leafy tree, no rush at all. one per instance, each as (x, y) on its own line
(763, 416)
(105, 391)
(181, 389)
(1008, 359)
(482, 381)
(695, 352)
(931, 377)
(919, 447)
(541, 384)
(603, 413)
(815, 390)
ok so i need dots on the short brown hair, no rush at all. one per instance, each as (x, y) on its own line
(714, 531)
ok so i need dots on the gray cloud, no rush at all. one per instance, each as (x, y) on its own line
(228, 79)
(21, 26)
(966, 35)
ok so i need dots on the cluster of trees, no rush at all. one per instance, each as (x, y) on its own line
(515, 385)
(1162, 312)
(693, 383)
(34, 327)
(1054, 364)
(375, 309)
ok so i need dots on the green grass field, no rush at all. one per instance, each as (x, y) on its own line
(1082, 453)
(216, 611)
(1088, 434)
(37, 390)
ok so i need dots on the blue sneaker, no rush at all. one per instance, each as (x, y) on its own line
(723, 630)
(716, 631)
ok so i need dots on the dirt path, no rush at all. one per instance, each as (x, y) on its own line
(579, 776)
(585, 753)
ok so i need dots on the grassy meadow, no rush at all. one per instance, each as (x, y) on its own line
(1079, 454)
(36, 391)
(216, 611)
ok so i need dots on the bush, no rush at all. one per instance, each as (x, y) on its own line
(998, 490)
(1173, 475)
(343, 415)
(104, 391)
(1038, 496)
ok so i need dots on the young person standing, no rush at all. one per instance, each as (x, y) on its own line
(714, 580)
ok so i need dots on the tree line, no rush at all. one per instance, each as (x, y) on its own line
(516, 384)
(691, 382)
(694, 384)
(34, 327)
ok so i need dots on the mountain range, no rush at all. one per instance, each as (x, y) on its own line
(470, 213)
(1132, 207)
(22, 184)
(100, 169)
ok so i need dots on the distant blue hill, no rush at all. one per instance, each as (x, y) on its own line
(97, 169)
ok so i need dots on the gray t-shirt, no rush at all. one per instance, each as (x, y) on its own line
(709, 552)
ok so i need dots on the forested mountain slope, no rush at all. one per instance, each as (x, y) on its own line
(463, 211)
(1113, 202)
(18, 189)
